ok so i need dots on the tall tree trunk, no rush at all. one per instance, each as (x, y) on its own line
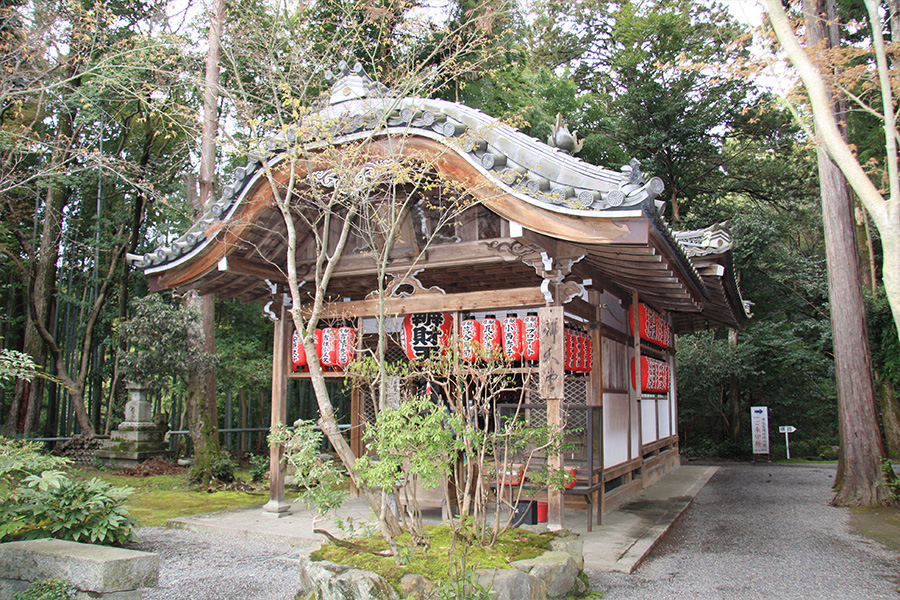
(204, 430)
(44, 276)
(734, 396)
(207, 184)
(861, 479)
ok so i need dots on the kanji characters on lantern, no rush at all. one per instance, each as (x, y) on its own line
(655, 375)
(425, 333)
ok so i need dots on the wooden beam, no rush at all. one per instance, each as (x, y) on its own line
(487, 300)
(240, 266)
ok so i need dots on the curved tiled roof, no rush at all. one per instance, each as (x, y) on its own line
(524, 169)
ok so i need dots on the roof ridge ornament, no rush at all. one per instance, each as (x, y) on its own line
(353, 83)
(561, 139)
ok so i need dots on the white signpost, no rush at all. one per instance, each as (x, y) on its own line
(759, 422)
(787, 430)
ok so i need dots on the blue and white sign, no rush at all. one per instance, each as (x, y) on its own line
(759, 423)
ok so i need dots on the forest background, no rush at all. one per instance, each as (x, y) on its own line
(100, 109)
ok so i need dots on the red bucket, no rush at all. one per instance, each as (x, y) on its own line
(541, 512)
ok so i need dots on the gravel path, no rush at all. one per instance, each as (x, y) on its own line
(755, 532)
(761, 532)
(198, 566)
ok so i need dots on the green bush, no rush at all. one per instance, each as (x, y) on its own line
(48, 589)
(53, 505)
(38, 500)
(259, 467)
(20, 458)
(221, 468)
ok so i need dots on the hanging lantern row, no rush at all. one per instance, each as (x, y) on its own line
(426, 333)
(579, 351)
(512, 339)
(335, 349)
(653, 326)
(654, 375)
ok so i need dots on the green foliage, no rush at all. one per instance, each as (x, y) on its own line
(21, 458)
(16, 365)
(318, 475)
(47, 589)
(220, 467)
(39, 500)
(413, 442)
(53, 505)
(160, 344)
(259, 467)
(884, 343)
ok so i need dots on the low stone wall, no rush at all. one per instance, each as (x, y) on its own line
(96, 571)
(557, 573)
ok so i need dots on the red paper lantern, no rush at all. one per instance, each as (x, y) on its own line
(329, 355)
(346, 345)
(298, 354)
(654, 375)
(588, 350)
(531, 337)
(470, 339)
(568, 354)
(512, 337)
(652, 325)
(425, 333)
(491, 338)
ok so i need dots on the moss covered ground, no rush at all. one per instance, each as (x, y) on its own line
(440, 558)
(158, 498)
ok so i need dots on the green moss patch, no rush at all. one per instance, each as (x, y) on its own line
(436, 561)
(880, 523)
(158, 498)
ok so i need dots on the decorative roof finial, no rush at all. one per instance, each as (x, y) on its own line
(352, 83)
(562, 139)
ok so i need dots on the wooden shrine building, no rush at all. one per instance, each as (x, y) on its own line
(583, 247)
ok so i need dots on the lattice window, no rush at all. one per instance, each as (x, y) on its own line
(576, 390)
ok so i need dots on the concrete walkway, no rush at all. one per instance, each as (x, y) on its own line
(623, 540)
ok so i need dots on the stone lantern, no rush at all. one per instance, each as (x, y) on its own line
(138, 436)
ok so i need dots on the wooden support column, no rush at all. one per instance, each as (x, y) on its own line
(636, 390)
(553, 392)
(277, 506)
(597, 397)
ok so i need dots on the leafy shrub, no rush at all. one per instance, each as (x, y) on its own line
(259, 467)
(221, 468)
(53, 505)
(47, 589)
(20, 458)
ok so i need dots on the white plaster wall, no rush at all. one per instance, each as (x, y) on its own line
(648, 420)
(615, 429)
(664, 408)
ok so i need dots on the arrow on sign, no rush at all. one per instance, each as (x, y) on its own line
(787, 429)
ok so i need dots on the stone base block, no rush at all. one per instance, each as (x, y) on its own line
(88, 567)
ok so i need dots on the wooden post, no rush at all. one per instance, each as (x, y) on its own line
(552, 391)
(597, 399)
(637, 390)
(276, 505)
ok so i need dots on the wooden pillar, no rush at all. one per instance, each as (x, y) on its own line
(280, 353)
(552, 391)
(597, 400)
(673, 389)
(637, 391)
